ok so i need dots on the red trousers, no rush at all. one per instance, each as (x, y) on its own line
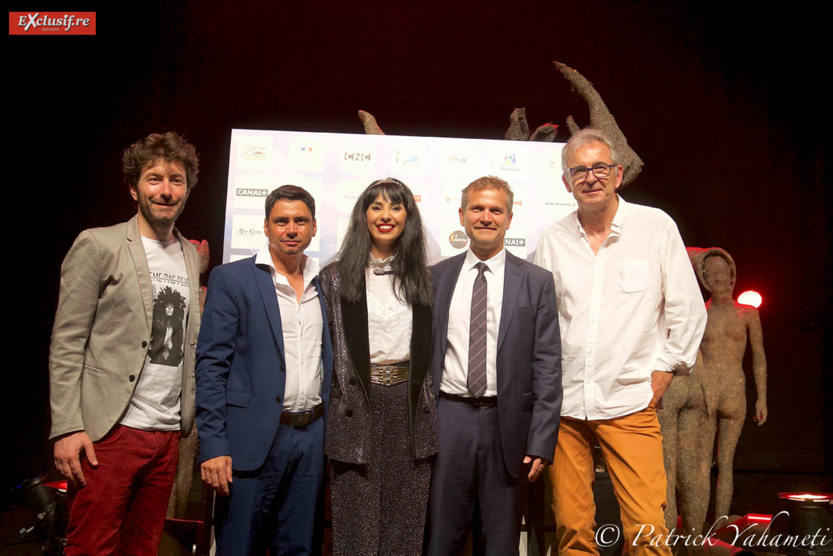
(122, 508)
(632, 449)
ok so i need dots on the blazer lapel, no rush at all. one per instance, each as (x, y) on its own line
(140, 265)
(263, 278)
(326, 346)
(512, 279)
(356, 336)
(445, 289)
(192, 269)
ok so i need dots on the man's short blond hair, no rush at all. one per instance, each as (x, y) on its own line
(488, 182)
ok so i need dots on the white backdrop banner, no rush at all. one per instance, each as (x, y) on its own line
(335, 168)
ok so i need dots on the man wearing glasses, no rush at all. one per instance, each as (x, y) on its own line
(631, 316)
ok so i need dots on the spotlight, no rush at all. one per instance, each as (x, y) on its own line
(750, 297)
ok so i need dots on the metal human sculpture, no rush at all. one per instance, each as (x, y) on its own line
(721, 353)
(683, 419)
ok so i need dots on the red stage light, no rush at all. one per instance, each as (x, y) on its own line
(806, 496)
(750, 297)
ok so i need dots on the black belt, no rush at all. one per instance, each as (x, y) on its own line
(483, 401)
(302, 418)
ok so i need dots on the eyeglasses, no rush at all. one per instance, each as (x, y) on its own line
(579, 173)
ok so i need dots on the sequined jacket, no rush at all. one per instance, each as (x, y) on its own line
(348, 425)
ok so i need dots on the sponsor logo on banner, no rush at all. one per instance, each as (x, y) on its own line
(306, 155)
(510, 163)
(247, 231)
(250, 191)
(357, 157)
(357, 161)
(253, 152)
(458, 239)
(51, 23)
(409, 157)
(460, 160)
(408, 160)
(514, 241)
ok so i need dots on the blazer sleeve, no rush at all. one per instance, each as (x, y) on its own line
(546, 375)
(215, 353)
(77, 304)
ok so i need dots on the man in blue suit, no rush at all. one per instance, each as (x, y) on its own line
(496, 370)
(264, 369)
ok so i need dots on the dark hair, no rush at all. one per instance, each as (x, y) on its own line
(410, 273)
(169, 296)
(290, 193)
(168, 146)
(488, 182)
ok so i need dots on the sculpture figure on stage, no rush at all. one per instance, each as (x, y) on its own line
(721, 355)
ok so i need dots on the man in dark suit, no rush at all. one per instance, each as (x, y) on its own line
(264, 369)
(496, 370)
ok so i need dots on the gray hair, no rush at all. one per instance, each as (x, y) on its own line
(584, 137)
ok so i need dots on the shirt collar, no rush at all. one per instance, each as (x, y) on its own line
(264, 257)
(495, 264)
(622, 212)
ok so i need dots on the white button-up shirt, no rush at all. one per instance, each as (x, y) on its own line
(455, 373)
(630, 309)
(303, 328)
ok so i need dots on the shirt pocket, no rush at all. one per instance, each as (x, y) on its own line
(633, 276)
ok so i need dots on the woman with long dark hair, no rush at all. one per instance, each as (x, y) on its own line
(382, 423)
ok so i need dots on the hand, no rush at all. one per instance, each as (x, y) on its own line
(760, 412)
(660, 381)
(216, 473)
(538, 465)
(67, 453)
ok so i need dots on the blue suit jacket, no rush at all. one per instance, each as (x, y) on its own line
(528, 356)
(241, 370)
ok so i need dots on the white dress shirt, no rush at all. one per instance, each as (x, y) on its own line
(631, 309)
(455, 373)
(389, 319)
(303, 327)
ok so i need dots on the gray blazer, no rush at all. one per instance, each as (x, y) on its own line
(102, 330)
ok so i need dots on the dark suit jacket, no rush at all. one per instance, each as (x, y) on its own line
(241, 370)
(528, 356)
(349, 424)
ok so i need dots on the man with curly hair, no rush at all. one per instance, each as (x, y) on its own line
(122, 358)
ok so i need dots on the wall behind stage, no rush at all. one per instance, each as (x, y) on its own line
(722, 101)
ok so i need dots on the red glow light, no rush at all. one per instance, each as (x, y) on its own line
(750, 297)
(806, 496)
